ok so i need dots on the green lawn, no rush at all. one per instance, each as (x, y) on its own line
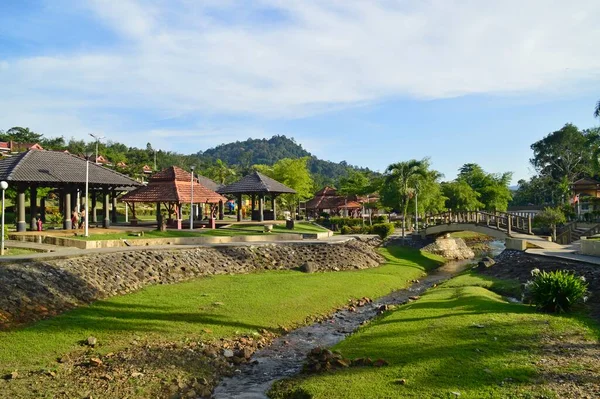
(299, 227)
(458, 339)
(182, 311)
(18, 251)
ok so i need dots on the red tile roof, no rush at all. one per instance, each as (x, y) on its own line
(173, 185)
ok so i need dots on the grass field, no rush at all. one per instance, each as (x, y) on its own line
(299, 227)
(459, 339)
(226, 305)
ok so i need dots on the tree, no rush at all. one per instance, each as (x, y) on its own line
(564, 154)
(356, 183)
(597, 110)
(550, 217)
(403, 176)
(294, 174)
(220, 172)
(493, 188)
(21, 135)
(461, 196)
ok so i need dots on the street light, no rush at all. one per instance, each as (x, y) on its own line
(192, 200)
(3, 186)
(98, 138)
(87, 193)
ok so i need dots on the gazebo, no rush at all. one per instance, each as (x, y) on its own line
(64, 172)
(173, 188)
(328, 200)
(257, 186)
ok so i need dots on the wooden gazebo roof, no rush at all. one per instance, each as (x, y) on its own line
(173, 184)
(256, 183)
(58, 169)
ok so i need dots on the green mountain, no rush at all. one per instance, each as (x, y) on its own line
(244, 154)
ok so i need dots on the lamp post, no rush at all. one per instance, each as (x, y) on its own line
(3, 186)
(192, 199)
(98, 138)
(417, 208)
(87, 193)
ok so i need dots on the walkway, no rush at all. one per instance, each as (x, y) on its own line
(69, 252)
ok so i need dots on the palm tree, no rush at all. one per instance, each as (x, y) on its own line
(406, 175)
(597, 110)
(221, 172)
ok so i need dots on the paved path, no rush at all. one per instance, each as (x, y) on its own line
(34, 246)
(69, 252)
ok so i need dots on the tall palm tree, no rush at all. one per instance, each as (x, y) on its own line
(597, 110)
(406, 175)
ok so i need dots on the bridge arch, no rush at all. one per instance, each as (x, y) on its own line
(453, 227)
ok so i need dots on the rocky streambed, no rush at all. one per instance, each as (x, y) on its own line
(286, 355)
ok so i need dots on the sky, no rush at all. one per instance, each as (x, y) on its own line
(369, 82)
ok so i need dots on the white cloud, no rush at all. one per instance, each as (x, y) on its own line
(229, 58)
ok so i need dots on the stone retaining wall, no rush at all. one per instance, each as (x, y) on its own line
(35, 290)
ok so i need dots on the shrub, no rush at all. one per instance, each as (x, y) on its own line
(54, 218)
(557, 291)
(346, 230)
(383, 229)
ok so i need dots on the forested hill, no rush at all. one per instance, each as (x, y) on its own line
(224, 163)
(268, 151)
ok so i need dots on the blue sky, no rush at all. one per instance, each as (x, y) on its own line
(369, 82)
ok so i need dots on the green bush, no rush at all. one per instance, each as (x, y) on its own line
(379, 219)
(346, 230)
(383, 229)
(557, 291)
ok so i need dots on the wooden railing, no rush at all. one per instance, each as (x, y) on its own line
(498, 220)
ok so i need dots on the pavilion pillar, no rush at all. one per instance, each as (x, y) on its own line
(106, 206)
(158, 217)
(273, 207)
(21, 223)
(239, 208)
(221, 209)
(73, 204)
(43, 209)
(67, 225)
(94, 213)
(33, 207)
(114, 206)
(253, 202)
(261, 208)
(179, 213)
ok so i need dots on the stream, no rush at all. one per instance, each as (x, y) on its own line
(286, 354)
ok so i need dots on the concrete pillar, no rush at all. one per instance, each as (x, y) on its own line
(106, 208)
(529, 230)
(239, 208)
(261, 208)
(21, 222)
(273, 207)
(508, 224)
(222, 210)
(67, 225)
(114, 206)
(33, 207)
(43, 209)
(94, 209)
(73, 204)
(497, 220)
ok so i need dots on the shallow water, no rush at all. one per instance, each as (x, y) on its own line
(286, 355)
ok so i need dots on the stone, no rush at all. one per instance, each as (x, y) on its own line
(485, 262)
(309, 267)
(95, 362)
(401, 381)
(11, 376)
(228, 353)
(91, 341)
(380, 363)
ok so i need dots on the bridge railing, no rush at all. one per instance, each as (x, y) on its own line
(498, 220)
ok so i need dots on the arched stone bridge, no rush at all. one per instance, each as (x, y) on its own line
(495, 224)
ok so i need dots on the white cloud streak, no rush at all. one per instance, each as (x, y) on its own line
(229, 58)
